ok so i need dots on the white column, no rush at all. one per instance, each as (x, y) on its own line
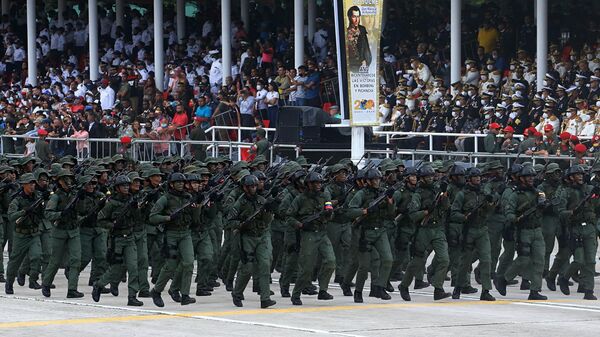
(93, 26)
(61, 11)
(357, 143)
(159, 51)
(31, 52)
(5, 6)
(298, 33)
(180, 20)
(226, 37)
(312, 20)
(455, 43)
(542, 41)
(245, 14)
(338, 48)
(119, 13)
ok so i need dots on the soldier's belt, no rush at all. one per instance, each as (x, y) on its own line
(254, 232)
(26, 231)
(122, 233)
(529, 226)
(66, 227)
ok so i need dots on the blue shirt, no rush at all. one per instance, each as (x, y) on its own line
(203, 111)
(313, 92)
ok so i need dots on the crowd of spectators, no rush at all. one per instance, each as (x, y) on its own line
(498, 83)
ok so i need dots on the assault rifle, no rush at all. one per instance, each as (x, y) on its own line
(94, 211)
(28, 210)
(382, 196)
(436, 202)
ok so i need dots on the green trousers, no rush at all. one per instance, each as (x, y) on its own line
(314, 245)
(125, 255)
(155, 240)
(376, 244)
(495, 231)
(277, 238)
(233, 261)
(180, 251)
(429, 238)
(6, 234)
(141, 244)
(224, 252)
(584, 255)
(507, 257)
(477, 240)
(530, 258)
(290, 268)
(340, 236)
(257, 252)
(454, 237)
(550, 230)
(203, 250)
(64, 241)
(27, 268)
(215, 235)
(562, 257)
(24, 245)
(93, 248)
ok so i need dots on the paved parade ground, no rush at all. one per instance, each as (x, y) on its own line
(28, 313)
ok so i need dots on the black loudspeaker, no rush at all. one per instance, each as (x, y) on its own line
(311, 134)
(287, 135)
(289, 116)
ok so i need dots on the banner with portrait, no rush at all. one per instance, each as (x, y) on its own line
(362, 32)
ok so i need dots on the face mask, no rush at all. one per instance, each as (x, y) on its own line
(545, 83)
(483, 78)
(410, 104)
(572, 57)
(545, 115)
(484, 102)
(512, 67)
(463, 92)
(498, 115)
(590, 57)
(569, 115)
(585, 118)
(458, 103)
(490, 67)
(259, 87)
(447, 103)
(519, 92)
(471, 93)
(512, 115)
(578, 83)
(488, 116)
(454, 114)
(163, 125)
(579, 113)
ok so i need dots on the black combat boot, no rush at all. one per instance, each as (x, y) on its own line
(589, 295)
(440, 294)
(346, 290)
(2, 279)
(203, 292)
(8, 288)
(175, 295)
(456, 293)
(96, 291)
(358, 296)
(535, 295)
(296, 301)
(285, 291)
(525, 284)
(563, 283)
(374, 291)
(404, 293)
(237, 301)
(144, 294)
(580, 289)
(500, 283)
(214, 284)
(267, 303)
(420, 284)
(156, 298)
(229, 286)
(34, 285)
(389, 287)
(46, 291)
(551, 282)
(186, 299)
(21, 279)
(105, 290)
(114, 290)
(486, 296)
(134, 302)
(74, 294)
(310, 290)
(324, 295)
(383, 294)
(469, 290)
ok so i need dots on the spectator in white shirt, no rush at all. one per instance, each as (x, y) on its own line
(107, 95)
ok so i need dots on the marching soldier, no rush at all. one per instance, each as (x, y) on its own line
(454, 229)
(150, 194)
(7, 187)
(118, 215)
(524, 210)
(65, 236)
(171, 211)
(310, 212)
(551, 226)
(26, 212)
(251, 217)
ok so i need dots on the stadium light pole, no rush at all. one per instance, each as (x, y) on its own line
(245, 14)
(159, 52)
(298, 33)
(119, 13)
(541, 41)
(5, 7)
(180, 21)
(93, 27)
(226, 38)
(455, 41)
(31, 50)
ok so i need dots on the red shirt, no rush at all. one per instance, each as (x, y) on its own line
(180, 120)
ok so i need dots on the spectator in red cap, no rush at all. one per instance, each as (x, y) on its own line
(510, 144)
(492, 142)
(531, 145)
(564, 146)
(550, 143)
(580, 151)
(42, 148)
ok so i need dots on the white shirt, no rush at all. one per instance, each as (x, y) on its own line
(107, 97)
(216, 73)
(260, 99)
(19, 55)
(80, 37)
(271, 95)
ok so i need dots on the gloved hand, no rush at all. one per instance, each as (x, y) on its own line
(443, 186)
(216, 196)
(271, 206)
(489, 198)
(389, 192)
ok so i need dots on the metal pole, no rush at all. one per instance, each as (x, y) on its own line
(455, 40)
(93, 26)
(5, 7)
(338, 48)
(312, 18)
(245, 14)
(31, 51)
(299, 33)
(119, 13)
(61, 11)
(226, 37)
(542, 41)
(358, 143)
(159, 52)
(180, 20)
